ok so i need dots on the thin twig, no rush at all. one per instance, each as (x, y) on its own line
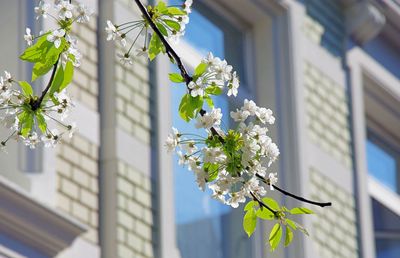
(37, 103)
(171, 52)
(320, 204)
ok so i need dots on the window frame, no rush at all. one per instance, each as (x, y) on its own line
(270, 24)
(364, 68)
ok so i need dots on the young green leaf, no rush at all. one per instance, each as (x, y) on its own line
(58, 80)
(212, 171)
(214, 90)
(161, 7)
(249, 205)
(199, 70)
(26, 88)
(175, 11)
(37, 52)
(271, 203)
(289, 236)
(155, 46)
(26, 121)
(41, 121)
(68, 75)
(176, 77)
(291, 224)
(162, 29)
(275, 236)
(42, 67)
(190, 106)
(173, 24)
(250, 222)
(209, 101)
(300, 210)
(265, 214)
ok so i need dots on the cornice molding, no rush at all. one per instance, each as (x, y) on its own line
(364, 21)
(34, 224)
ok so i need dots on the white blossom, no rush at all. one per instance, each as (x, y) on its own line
(83, 13)
(28, 37)
(42, 9)
(64, 9)
(273, 179)
(210, 119)
(111, 31)
(56, 37)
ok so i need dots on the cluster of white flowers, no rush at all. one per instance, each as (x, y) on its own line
(13, 103)
(64, 10)
(182, 20)
(218, 75)
(230, 163)
(27, 116)
(172, 25)
(65, 14)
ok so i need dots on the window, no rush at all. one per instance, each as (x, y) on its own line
(200, 219)
(382, 161)
(383, 156)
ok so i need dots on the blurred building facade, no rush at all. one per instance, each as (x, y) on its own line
(329, 69)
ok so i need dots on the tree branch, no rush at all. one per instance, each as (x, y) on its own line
(171, 52)
(320, 204)
(35, 105)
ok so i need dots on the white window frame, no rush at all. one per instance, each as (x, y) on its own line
(275, 69)
(362, 65)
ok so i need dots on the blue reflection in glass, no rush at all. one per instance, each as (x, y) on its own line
(382, 165)
(200, 220)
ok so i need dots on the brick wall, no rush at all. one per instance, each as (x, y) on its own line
(327, 114)
(334, 230)
(77, 159)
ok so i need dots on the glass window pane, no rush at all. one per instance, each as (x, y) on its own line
(204, 226)
(387, 248)
(382, 165)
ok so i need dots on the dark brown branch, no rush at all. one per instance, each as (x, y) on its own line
(169, 49)
(262, 204)
(320, 204)
(171, 52)
(36, 104)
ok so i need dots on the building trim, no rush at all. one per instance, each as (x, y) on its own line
(34, 224)
(362, 65)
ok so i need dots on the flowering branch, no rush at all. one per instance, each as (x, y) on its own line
(230, 162)
(321, 204)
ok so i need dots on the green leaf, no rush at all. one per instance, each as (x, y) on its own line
(300, 210)
(271, 203)
(173, 24)
(41, 122)
(213, 90)
(209, 101)
(291, 223)
(275, 236)
(250, 222)
(68, 75)
(199, 70)
(42, 67)
(250, 205)
(212, 169)
(162, 29)
(37, 51)
(26, 88)
(190, 106)
(265, 214)
(175, 11)
(161, 7)
(58, 80)
(26, 122)
(289, 236)
(176, 77)
(155, 46)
